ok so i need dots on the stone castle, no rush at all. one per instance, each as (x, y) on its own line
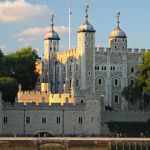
(76, 86)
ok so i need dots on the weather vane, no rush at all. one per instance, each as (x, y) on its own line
(118, 19)
(86, 10)
(52, 20)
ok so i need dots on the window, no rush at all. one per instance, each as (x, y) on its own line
(64, 68)
(43, 120)
(92, 119)
(77, 67)
(81, 101)
(123, 47)
(100, 81)
(70, 68)
(132, 70)
(54, 48)
(27, 120)
(77, 82)
(80, 120)
(50, 48)
(104, 67)
(123, 40)
(89, 73)
(116, 82)
(70, 83)
(132, 82)
(115, 46)
(96, 67)
(5, 120)
(115, 40)
(58, 120)
(116, 99)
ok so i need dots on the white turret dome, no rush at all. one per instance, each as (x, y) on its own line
(86, 26)
(117, 33)
(52, 35)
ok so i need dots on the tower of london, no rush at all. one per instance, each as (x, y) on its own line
(96, 71)
(75, 86)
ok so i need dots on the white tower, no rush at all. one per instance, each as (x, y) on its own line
(86, 50)
(51, 46)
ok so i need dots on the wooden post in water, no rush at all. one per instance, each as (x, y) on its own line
(135, 145)
(122, 145)
(109, 145)
(147, 146)
(141, 146)
(129, 146)
(116, 145)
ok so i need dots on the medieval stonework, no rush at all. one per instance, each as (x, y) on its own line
(76, 86)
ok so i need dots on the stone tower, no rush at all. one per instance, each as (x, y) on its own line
(118, 38)
(86, 47)
(51, 46)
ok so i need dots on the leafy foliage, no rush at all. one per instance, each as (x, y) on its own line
(9, 88)
(144, 73)
(134, 93)
(20, 66)
(130, 128)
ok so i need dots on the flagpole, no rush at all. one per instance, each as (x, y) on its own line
(69, 23)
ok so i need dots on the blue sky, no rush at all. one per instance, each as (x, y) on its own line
(24, 22)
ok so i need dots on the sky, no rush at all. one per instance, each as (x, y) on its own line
(24, 22)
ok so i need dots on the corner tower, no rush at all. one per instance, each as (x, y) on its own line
(118, 38)
(86, 50)
(51, 46)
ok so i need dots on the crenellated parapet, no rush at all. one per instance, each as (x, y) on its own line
(63, 56)
(41, 106)
(129, 50)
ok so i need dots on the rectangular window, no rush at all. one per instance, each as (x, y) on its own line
(28, 120)
(58, 120)
(80, 120)
(5, 120)
(43, 120)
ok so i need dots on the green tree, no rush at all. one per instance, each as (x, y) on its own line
(132, 93)
(21, 66)
(141, 90)
(9, 88)
(144, 73)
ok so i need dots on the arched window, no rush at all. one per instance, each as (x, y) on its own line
(116, 99)
(116, 82)
(123, 47)
(132, 82)
(132, 69)
(100, 81)
(115, 46)
(115, 40)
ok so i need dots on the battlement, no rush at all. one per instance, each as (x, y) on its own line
(45, 106)
(129, 50)
(33, 93)
(125, 116)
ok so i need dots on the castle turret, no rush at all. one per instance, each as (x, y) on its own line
(118, 38)
(86, 44)
(51, 46)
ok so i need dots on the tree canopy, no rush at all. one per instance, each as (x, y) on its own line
(9, 88)
(20, 65)
(141, 89)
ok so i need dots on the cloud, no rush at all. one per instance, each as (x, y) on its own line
(29, 35)
(21, 11)
(36, 32)
(3, 46)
